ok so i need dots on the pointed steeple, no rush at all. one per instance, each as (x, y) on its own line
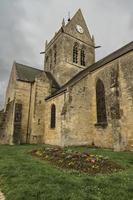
(82, 31)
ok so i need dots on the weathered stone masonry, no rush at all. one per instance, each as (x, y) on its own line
(92, 101)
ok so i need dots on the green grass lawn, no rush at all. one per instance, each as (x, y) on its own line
(24, 177)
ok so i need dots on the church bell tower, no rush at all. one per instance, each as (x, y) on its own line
(71, 50)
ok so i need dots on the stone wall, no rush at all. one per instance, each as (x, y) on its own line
(40, 91)
(18, 92)
(7, 125)
(10, 91)
(80, 118)
(71, 68)
(103, 136)
(126, 85)
(53, 136)
(64, 68)
(77, 115)
(23, 92)
(1, 125)
(17, 123)
(77, 109)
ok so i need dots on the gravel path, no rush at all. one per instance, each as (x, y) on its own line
(2, 196)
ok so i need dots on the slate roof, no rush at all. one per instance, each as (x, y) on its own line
(53, 80)
(26, 73)
(116, 54)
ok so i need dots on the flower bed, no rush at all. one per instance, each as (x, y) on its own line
(83, 162)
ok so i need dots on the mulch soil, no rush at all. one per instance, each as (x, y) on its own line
(82, 162)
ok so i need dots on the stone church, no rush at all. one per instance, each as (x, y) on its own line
(74, 100)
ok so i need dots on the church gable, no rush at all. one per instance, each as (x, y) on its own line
(26, 73)
(11, 85)
(77, 28)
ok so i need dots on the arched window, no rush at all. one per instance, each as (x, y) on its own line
(82, 57)
(75, 53)
(53, 116)
(100, 101)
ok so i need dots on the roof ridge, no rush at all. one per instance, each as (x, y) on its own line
(116, 50)
(113, 53)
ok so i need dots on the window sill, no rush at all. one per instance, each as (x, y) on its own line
(101, 124)
(77, 65)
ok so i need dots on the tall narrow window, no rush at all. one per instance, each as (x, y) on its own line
(18, 112)
(82, 57)
(50, 62)
(75, 53)
(53, 116)
(46, 58)
(39, 121)
(55, 54)
(100, 100)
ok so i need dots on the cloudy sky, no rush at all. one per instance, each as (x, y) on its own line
(26, 24)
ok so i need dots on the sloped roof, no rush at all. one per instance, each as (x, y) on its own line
(53, 80)
(116, 54)
(26, 73)
(78, 18)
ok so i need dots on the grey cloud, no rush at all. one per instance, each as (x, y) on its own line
(26, 24)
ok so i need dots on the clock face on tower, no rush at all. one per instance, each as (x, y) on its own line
(79, 29)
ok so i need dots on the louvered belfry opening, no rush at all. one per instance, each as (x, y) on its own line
(82, 57)
(53, 116)
(100, 101)
(75, 53)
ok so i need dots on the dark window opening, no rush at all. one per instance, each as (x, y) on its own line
(100, 101)
(46, 59)
(39, 121)
(55, 54)
(50, 63)
(53, 116)
(18, 112)
(75, 53)
(82, 57)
